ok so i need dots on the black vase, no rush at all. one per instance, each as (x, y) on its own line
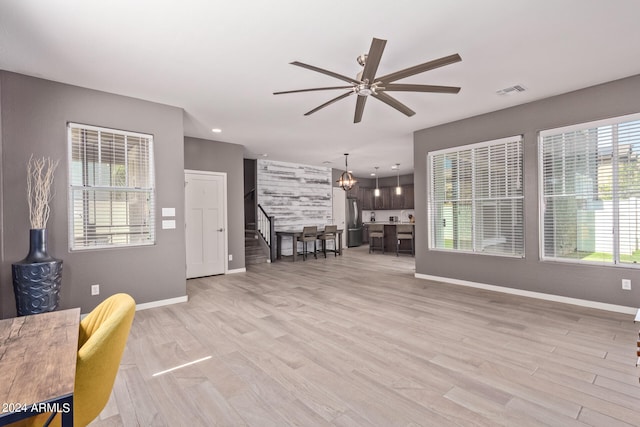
(37, 278)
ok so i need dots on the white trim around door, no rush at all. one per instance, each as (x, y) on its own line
(221, 225)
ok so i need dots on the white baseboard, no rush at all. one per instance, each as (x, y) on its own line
(160, 303)
(237, 270)
(539, 295)
(637, 319)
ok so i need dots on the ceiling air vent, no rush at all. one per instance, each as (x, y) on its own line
(511, 90)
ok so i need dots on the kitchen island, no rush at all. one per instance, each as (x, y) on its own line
(389, 236)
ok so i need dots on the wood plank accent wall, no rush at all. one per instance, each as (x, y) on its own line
(296, 195)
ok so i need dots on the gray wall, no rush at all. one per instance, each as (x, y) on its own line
(577, 281)
(213, 156)
(35, 113)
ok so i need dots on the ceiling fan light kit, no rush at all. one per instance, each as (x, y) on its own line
(367, 84)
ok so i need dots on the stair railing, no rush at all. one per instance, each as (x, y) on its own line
(265, 225)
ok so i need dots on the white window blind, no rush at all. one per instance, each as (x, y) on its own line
(590, 189)
(111, 188)
(476, 198)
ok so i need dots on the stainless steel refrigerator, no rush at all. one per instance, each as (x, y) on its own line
(353, 223)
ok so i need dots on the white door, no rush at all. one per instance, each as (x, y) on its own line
(339, 212)
(205, 202)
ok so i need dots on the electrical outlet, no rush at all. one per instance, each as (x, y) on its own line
(230, 257)
(95, 289)
(626, 284)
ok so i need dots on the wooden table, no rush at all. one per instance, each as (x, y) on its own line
(294, 236)
(38, 356)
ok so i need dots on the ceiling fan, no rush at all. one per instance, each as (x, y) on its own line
(367, 84)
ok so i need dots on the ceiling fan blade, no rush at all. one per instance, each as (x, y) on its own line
(338, 98)
(391, 101)
(398, 87)
(373, 59)
(327, 72)
(313, 89)
(359, 108)
(417, 69)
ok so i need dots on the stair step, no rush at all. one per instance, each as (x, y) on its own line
(251, 243)
(254, 253)
(255, 259)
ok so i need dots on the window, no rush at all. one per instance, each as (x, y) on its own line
(590, 189)
(476, 198)
(111, 188)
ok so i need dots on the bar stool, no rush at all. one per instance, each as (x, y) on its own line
(404, 232)
(309, 234)
(330, 233)
(376, 231)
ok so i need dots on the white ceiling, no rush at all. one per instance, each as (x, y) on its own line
(221, 61)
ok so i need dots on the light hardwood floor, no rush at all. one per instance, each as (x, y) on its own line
(358, 341)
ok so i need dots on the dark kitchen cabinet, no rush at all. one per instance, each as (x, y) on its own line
(388, 199)
(383, 200)
(407, 197)
(404, 200)
(397, 200)
(366, 198)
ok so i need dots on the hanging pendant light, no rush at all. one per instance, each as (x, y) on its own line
(376, 192)
(398, 188)
(346, 180)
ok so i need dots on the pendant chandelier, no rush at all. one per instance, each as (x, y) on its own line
(346, 180)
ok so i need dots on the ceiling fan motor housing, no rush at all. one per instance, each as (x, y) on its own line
(366, 83)
(364, 89)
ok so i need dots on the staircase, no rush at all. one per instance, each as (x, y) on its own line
(254, 253)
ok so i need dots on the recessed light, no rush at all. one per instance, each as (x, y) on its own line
(264, 154)
(327, 162)
(394, 167)
(373, 174)
(216, 130)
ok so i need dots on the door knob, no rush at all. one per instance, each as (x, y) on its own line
(220, 230)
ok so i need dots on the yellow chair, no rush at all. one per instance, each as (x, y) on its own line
(102, 338)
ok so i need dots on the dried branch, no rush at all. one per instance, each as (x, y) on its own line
(39, 180)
